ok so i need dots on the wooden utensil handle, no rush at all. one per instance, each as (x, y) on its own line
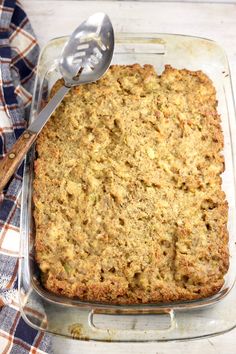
(10, 162)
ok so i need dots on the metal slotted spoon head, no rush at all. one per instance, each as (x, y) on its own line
(88, 52)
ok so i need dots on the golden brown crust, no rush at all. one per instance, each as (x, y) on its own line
(128, 200)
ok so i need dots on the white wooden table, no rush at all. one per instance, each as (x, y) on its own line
(211, 20)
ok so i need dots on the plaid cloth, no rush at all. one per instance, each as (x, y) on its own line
(18, 56)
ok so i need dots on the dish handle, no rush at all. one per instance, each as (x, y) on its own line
(126, 324)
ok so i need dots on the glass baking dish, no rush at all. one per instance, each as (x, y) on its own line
(152, 322)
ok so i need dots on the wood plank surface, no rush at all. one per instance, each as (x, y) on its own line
(211, 20)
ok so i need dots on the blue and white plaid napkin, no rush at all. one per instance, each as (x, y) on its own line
(18, 57)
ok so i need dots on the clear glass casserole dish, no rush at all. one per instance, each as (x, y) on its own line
(152, 322)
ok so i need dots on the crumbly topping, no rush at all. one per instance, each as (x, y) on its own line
(128, 200)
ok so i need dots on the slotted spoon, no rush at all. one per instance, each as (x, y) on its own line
(85, 58)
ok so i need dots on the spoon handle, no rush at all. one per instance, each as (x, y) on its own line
(13, 158)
